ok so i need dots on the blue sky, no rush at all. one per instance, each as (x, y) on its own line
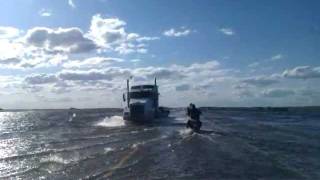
(57, 54)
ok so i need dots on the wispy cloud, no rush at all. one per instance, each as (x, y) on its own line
(266, 61)
(302, 72)
(227, 31)
(177, 33)
(135, 60)
(254, 65)
(260, 81)
(71, 4)
(276, 57)
(45, 12)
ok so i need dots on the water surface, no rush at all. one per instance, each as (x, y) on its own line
(98, 144)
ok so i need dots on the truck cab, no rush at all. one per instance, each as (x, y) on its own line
(142, 102)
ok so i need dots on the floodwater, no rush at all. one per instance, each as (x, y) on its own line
(98, 144)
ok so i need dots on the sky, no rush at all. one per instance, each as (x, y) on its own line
(79, 53)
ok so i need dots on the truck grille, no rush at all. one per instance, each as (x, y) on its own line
(137, 110)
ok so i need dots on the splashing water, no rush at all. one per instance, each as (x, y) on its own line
(185, 132)
(55, 159)
(108, 149)
(72, 116)
(113, 121)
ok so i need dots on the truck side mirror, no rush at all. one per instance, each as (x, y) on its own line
(124, 97)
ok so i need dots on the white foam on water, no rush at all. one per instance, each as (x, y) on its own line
(136, 145)
(164, 136)
(147, 129)
(108, 149)
(113, 121)
(53, 163)
(184, 132)
(72, 116)
(180, 119)
(57, 159)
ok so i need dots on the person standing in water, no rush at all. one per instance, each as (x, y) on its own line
(194, 114)
(189, 109)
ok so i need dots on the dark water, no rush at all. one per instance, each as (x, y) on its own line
(96, 144)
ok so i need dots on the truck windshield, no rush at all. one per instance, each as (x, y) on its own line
(141, 94)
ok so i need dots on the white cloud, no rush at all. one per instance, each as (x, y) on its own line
(60, 90)
(125, 48)
(10, 61)
(160, 72)
(40, 79)
(174, 74)
(179, 72)
(91, 75)
(44, 47)
(108, 30)
(10, 53)
(40, 59)
(9, 81)
(227, 31)
(260, 81)
(8, 32)
(278, 93)
(71, 4)
(45, 12)
(183, 87)
(135, 60)
(177, 81)
(142, 50)
(9, 49)
(25, 57)
(110, 34)
(91, 63)
(32, 88)
(146, 38)
(70, 40)
(94, 74)
(302, 72)
(176, 33)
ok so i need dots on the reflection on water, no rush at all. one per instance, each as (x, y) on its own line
(99, 144)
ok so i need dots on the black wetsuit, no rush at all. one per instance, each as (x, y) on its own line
(194, 122)
(195, 114)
